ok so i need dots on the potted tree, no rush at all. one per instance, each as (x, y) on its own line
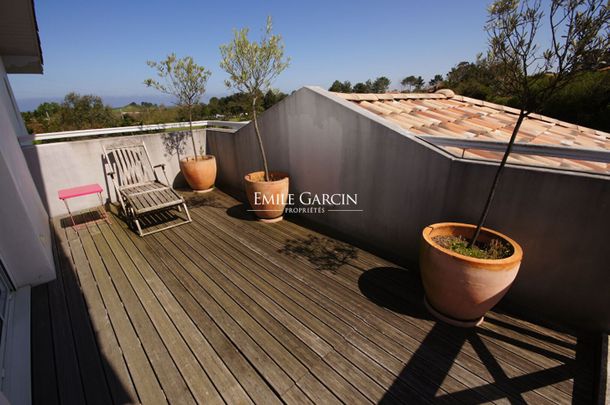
(183, 79)
(252, 67)
(466, 269)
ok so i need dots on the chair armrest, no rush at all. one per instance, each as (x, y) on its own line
(162, 166)
(109, 170)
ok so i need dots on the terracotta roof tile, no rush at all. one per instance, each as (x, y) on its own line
(385, 96)
(431, 118)
(448, 115)
(402, 122)
(393, 107)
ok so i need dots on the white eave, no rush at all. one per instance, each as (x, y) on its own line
(19, 42)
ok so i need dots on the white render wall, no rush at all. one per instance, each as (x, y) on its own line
(74, 163)
(25, 237)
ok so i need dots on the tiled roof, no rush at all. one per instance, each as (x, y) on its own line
(448, 115)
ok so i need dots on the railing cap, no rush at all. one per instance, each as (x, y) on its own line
(28, 139)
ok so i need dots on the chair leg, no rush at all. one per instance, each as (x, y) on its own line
(137, 222)
(69, 212)
(124, 209)
(102, 209)
(188, 214)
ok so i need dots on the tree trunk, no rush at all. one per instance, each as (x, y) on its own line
(492, 191)
(191, 131)
(260, 140)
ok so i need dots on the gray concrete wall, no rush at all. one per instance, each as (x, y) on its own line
(68, 164)
(329, 145)
(228, 174)
(561, 222)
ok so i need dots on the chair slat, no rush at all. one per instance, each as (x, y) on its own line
(136, 165)
(130, 166)
(124, 167)
(117, 166)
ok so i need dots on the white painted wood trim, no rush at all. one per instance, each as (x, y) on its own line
(28, 139)
(17, 381)
(592, 155)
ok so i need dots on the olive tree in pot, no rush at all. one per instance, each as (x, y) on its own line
(183, 79)
(252, 67)
(466, 269)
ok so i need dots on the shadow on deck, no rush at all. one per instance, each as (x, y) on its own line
(227, 309)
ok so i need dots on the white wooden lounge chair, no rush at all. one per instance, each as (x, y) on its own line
(139, 190)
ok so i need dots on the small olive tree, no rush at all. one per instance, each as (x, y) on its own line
(183, 79)
(252, 67)
(579, 37)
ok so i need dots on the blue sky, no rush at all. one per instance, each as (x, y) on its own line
(101, 47)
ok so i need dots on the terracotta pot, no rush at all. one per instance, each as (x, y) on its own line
(267, 198)
(461, 289)
(200, 172)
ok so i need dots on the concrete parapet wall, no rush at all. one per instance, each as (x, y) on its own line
(68, 164)
(328, 145)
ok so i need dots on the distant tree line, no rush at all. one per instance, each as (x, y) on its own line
(584, 101)
(379, 85)
(78, 112)
(382, 85)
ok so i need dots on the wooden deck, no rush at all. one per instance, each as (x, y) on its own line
(229, 310)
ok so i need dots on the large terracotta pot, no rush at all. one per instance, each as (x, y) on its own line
(199, 172)
(267, 198)
(461, 289)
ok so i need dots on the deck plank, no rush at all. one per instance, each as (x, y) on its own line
(95, 386)
(68, 374)
(249, 346)
(381, 349)
(228, 309)
(287, 361)
(117, 375)
(44, 383)
(252, 382)
(269, 234)
(150, 334)
(203, 370)
(255, 302)
(336, 332)
(144, 379)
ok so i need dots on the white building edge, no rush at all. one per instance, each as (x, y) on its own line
(26, 257)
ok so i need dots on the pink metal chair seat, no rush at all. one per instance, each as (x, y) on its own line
(79, 191)
(72, 192)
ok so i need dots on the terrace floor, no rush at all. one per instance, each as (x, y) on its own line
(227, 309)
